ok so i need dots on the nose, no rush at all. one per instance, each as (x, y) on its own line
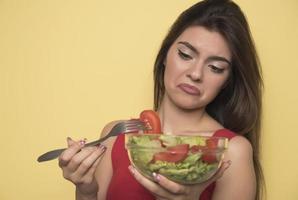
(195, 72)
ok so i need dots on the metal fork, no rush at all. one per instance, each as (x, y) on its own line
(128, 126)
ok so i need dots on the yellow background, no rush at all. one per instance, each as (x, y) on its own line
(67, 67)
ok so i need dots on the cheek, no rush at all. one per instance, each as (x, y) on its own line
(168, 77)
(215, 86)
(172, 70)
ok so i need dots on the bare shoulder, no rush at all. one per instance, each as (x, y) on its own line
(240, 176)
(239, 146)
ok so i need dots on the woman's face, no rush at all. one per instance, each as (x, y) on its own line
(197, 67)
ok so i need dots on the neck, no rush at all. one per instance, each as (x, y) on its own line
(178, 120)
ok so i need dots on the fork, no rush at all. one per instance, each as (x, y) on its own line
(128, 126)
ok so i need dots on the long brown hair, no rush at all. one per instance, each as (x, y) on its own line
(238, 106)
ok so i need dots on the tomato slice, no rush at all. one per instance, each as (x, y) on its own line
(209, 158)
(212, 143)
(173, 154)
(152, 118)
(180, 148)
(196, 148)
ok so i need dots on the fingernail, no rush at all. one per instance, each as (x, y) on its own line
(102, 147)
(228, 163)
(82, 142)
(156, 176)
(131, 169)
(68, 139)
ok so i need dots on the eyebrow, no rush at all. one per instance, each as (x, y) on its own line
(211, 58)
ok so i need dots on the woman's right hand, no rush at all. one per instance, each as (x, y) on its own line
(78, 164)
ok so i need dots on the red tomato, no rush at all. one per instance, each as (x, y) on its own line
(180, 148)
(209, 158)
(196, 148)
(152, 118)
(211, 143)
(173, 154)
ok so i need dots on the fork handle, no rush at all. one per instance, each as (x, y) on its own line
(56, 153)
(50, 155)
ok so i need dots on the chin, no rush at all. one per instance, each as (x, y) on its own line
(187, 104)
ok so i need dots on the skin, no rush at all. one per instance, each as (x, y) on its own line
(201, 59)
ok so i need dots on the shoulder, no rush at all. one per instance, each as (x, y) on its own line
(239, 148)
(108, 127)
(241, 170)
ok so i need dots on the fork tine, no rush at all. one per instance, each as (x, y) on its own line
(133, 129)
(134, 121)
(141, 124)
(138, 126)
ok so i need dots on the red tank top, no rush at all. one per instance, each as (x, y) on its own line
(123, 185)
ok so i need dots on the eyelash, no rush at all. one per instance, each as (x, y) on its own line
(216, 69)
(183, 55)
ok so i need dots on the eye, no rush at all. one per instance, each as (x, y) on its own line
(183, 55)
(216, 69)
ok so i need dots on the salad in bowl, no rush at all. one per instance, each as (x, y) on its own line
(185, 159)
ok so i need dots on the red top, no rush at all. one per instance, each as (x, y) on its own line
(123, 185)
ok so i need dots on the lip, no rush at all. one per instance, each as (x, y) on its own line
(189, 89)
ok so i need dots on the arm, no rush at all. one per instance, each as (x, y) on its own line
(104, 170)
(239, 181)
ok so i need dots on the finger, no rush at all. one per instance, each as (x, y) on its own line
(169, 185)
(79, 157)
(66, 155)
(89, 161)
(89, 176)
(69, 141)
(150, 185)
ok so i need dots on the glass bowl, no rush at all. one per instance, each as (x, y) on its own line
(185, 159)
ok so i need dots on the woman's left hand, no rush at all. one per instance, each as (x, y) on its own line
(165, 189)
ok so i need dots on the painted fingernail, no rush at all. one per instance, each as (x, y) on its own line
(102, 147)
(82, 142)
(131, 169)
(156, 176)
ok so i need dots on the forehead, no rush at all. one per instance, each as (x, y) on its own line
(206, 41)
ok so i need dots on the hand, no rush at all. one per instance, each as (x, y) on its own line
(79, 163)
(164, 189)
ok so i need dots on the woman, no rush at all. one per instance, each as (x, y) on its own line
(207, 78)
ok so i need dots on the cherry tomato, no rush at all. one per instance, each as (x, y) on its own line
(173, 154)
(152, 118)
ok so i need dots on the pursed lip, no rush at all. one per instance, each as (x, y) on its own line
(189, 89)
